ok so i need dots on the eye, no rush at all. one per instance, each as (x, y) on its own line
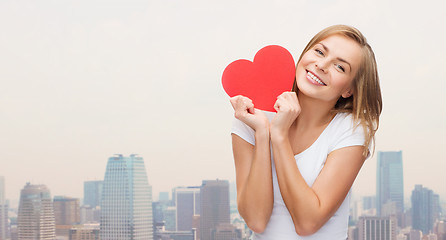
(340, 67)
(318, 51)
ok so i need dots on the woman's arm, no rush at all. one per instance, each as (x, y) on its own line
(311, 207)
(253, 166)
(254, 180)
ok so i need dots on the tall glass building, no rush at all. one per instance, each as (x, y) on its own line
(35, 219)
(126, 204)
(92, 193)
(425, 209)
(389, 183)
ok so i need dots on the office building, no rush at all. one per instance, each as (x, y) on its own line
(89, 214)
(440, 229)
(85, 232)
(14, 232)
(66, 210)
(35, 219)
(226, 231)
(158, 209)
(411, 234)
(176, 235)
(425, 209)
(170, 218)
(352, 233)
(389, 184)
(126, 204)
(377, 228)
(3, 211)
(214, 206)
(4, 229)
(368, 202)
(66, 214)
(187, 202)
(92, 193)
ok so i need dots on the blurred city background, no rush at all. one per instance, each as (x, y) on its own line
(122, 206)
(83, 80)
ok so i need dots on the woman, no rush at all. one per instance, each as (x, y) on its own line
(295, 168)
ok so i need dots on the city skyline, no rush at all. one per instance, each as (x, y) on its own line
(213, 197)
(85, 80)
(13, 203)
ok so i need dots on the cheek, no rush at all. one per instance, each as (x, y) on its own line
(300, 73)
(343, 82)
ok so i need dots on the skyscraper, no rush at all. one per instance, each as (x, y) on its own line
(66, 213)
(35, 219)
(92, 193)
(66, 210)
(3, 210)
(126, 205)
(187, 201)
(214, 206)
(368, 202)
(170, 218)
(425, 208)
(389, 182)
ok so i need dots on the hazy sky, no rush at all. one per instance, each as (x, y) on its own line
(83, 80)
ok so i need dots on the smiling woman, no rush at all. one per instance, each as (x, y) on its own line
(319, 138)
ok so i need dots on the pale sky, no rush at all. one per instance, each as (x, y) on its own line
(83, 80)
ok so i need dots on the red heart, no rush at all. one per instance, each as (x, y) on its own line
(271, 74)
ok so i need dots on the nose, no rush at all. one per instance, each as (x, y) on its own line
(322, 65)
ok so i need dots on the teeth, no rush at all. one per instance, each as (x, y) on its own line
(315, 78)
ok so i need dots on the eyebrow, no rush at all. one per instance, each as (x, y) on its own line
(340, 59)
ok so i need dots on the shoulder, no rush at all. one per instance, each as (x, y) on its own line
(345, 131)
(342, 123)
(345, 120)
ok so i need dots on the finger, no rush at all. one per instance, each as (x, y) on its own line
(235, 101)
(277, 104)
(291, 99)
(289, 95)
(293, 96)
(250, 107)
(246, 103)
(242, 106)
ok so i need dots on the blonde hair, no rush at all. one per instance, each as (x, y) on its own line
(365, 103)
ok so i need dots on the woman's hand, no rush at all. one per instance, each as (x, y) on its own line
(245, 112)
(288, 109)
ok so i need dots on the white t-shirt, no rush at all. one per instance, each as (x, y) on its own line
(339, 133)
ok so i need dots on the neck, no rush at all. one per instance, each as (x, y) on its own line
(314, 112)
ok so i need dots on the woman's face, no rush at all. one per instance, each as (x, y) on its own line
(326, 71)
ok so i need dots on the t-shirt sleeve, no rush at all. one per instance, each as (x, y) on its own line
(244, 131)
(352, 136)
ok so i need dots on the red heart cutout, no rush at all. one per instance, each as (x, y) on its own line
(271, 74)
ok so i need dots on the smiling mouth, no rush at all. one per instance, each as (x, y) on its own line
(315, 78)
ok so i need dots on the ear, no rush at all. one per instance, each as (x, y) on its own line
(347, 93)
